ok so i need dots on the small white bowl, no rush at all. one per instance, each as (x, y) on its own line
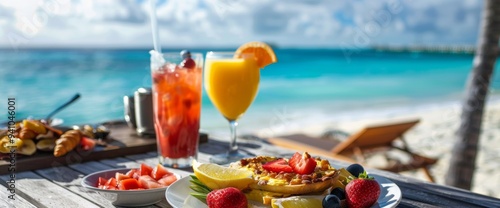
(129, 198)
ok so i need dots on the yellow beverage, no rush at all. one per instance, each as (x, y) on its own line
(232, 81)
(232, 84)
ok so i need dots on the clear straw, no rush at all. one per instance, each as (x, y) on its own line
(154, 27)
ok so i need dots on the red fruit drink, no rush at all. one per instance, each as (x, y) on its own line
(177, 106)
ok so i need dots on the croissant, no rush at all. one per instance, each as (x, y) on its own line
(26, 133)
(67, 142)
(31, 128)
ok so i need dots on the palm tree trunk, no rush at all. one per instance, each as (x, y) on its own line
(463, 160)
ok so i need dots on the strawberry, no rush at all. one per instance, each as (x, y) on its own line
(362, 191)
(87, 143)
(279, 165)
(302, 164)
(227, 197)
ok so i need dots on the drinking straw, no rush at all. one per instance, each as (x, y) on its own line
(154, 27)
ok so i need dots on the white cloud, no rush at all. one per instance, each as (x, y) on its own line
(125, 23)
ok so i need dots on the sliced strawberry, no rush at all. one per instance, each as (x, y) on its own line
(145, 169)
(302, 164)
(87, 143)
(159, 171)
(279, 165)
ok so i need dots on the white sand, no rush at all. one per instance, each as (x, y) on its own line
(434, 136)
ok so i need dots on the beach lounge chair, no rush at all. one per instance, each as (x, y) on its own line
(370, 140)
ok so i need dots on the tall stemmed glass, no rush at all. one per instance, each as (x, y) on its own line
(231, 84)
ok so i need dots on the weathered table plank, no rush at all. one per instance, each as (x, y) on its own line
(89, 167)
(438, 195)
(415, 204)
(17, 201)
(43, 193)
(71, 180)
(119, 162)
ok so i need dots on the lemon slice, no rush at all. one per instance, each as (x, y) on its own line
(263, 53)
(298, 202)
(217, 177)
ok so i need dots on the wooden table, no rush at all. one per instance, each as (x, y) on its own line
(60, 186)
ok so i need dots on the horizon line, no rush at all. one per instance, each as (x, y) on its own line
(373, 47)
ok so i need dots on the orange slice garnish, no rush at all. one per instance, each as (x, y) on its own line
(263, 53)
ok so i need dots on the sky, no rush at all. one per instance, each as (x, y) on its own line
(221, 23)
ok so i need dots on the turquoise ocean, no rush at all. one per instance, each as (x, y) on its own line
(305, 85)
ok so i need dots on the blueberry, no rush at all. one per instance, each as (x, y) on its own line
(355, 169)
(339, 192)
(331, 201)
(185, 54)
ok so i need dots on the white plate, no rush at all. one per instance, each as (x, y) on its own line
(390, 194)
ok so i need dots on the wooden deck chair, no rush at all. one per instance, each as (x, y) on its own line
(371, 139)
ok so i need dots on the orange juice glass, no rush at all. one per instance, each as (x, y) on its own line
(177, 106)
(232, 85)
